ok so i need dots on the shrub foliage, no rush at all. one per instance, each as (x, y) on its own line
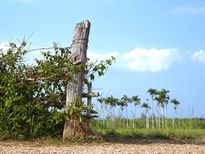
(32, 97)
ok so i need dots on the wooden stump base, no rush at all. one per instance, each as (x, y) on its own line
(76, 130)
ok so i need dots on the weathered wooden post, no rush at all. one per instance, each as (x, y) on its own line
(79, 56)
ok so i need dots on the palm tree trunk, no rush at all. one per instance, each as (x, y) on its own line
(174, 119)
(165, 115)
(147, 119)
(159, 117)
(152, 115)
(127, 118)
(156, 118)
(162, 109)
(133, 123)
(173, 123)
(156, 121)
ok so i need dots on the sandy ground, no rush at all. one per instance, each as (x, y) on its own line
(114, 146)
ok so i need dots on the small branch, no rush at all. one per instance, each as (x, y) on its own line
(57, 98)
(46, 79)
(91, 111)
(59, 105)
(53, 105)
(47, 49)
(90, 94)
(40, 49)
(94, 112)
(86, 71)
(77, 62)
(90, 117)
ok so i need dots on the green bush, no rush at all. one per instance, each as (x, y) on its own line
(29, 106)
(32, 97)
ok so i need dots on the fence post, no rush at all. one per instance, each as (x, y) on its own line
(89, 99)
(79, 56)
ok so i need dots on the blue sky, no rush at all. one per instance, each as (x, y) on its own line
(158, 44)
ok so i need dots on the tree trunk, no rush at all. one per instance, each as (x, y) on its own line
(173, 123)
(74, 87)
(152, 115)
(133, 123)
(173, 119)
(147, 119)
(162, 110)
(127, 122)
(159, 117)
(156, 118)
(156, 121)
(165, 115)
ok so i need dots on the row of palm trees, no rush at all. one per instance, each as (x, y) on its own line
(159, 101)
(162, 99)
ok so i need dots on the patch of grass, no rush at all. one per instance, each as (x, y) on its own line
(185, 129)
(153, 133)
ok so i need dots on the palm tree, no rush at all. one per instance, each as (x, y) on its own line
(176, 103)
(163, 99)
(166, 101)
(152, 92)
(160, 105)
(112, 102)
(136, 100)
(125, 100)
(147, 107)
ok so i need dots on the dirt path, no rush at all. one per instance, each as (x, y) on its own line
(117, 146)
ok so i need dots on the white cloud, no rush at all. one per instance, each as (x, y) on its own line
(94, 56)
(141, 59)
(189, 10)
(150, 60)
(199, 56)
(4, 47)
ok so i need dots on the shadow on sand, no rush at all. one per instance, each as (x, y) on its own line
(133, 140)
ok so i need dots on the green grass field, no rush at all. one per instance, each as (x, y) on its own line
(184, 129)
